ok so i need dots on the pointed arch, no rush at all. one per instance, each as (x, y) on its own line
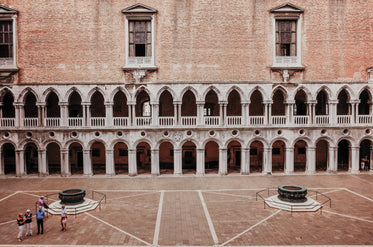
(282, 89)
(25, 92)
(350, 92)
(119, 89)
(239, 91)
(192, 90)
(261, 91)
(95, 90)
(47, 92)
(328, 92)
(163, 89)
(70, 92)
(146, 90)
(208, 89)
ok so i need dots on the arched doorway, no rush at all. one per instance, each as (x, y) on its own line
(52, 106)
(166, 109)
(344, 155)
(8, 109)
(143, 109)
(97, 110)
(278, 156)
(31, 159)
(166, 158)
(121, 158)
(8, 158)
(211, 157)
(189, 109)
(365, 155)
(300, 156)
(76, 158)
(143, 158)
(234, 157)
(189, 158)
(30, 110)
(256, 157)
(211, 108)
(98, 158)
(53, 158)
(322, 150)
(120, 109)
(301, 108)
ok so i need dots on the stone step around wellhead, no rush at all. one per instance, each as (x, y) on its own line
(86, 205)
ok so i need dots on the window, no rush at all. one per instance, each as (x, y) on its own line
(286, 38)
(7, 38)
(140, 39)
(287, 20)
(139, 36)
(370, 75)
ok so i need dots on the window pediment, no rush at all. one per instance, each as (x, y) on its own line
(139, 9)
(287, 8)
(7, 10)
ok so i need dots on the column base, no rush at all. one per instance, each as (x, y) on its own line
(178, 174)
(371, 171)
(267, 173)
(66, 175)
(88, 175)
(289, 172)
(223, 173)
(310, 172)
(43, 174)
(355, 172)
(245, 173)
(110, 174)
(132, 174)
(155, 174)
(199, 174)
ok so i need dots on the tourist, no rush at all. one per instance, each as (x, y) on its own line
(28, 217)
(41, 202)
(21, 226)
(63, 218)
(39, 218)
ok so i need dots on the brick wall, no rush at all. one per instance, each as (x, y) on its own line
(74, 41)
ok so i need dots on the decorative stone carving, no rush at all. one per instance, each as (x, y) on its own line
(177, 136)
(138, 74)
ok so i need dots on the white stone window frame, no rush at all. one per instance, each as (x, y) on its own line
(139, 12)
(8, 14)
(370, 75)
(291, 13)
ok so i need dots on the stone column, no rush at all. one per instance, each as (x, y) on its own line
(311, 160)
(289, 160)
(245, 114)
(155, 114)
(178, 162)
(64, 113)
(355, 111)
(290, 111)
(155, 162)
(133, 113)
(223, 169)
(332, 159)
(109, 113)
(42, 162)
(1, 109)
(109, 156)
(87, 163)
(86, 114)
(65, 168)
(20, 163)
(245, 161)
(267, 163)
(312, 110)
(267, 112)
(19, 116)
(200, 119)
(333, 111)
(225, 121)
(371, 159)
(41, 107)
(132, 163)
(176, 118)
(200, 161)
(221, 113)
(178, 113)
(355, 160)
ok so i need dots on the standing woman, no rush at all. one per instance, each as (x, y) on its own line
(28, 218)
(63, 218)
(21, 226)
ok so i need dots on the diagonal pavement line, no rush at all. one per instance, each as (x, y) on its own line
(158, 223)
(118, 229)
(132, 195)
(226, 194)
(353, 192)
(348, 216)
(2, 199)
(260, 222)
(209, 221)
(332, 191)
(29, 194)
(4, 223)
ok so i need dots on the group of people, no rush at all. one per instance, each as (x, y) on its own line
(25, 220)
(364, 163)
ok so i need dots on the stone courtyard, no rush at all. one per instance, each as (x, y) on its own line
(193, 211)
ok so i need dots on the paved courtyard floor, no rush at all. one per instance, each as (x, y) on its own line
(194, 211)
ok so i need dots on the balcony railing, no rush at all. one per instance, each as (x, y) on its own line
(143, 121)
(188, 121)
(30, 122)
(234, 120)
(7, 122)
(212, 120)
(322, 119)
(301, 120)
(278, 120)
(75, 121)
(256, 120)
(343, 119)
(98, 121)
(166, 121)
(121, 121)
(365, 119)
(52, 122)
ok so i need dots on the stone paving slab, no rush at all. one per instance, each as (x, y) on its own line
(194, 211)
